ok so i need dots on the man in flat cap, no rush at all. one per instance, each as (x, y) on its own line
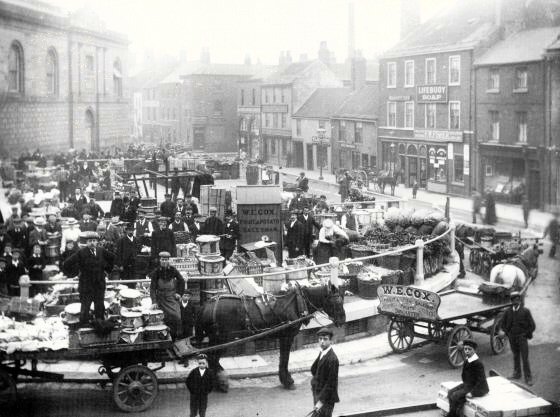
(473, 376)
(18, 233)
(324, 371)
(518, 325)
(213, 225)
(15, 269)
(91, 263)
(126, 249)
(166, 289)
(163, 240)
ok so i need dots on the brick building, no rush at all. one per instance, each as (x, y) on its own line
(426, 105)
(62, 80)
(249, 114)
(552, 126)
(511, 117)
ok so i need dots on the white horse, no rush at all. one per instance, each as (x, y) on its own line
(513, 276)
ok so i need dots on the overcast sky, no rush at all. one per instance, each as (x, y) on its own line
(261, 28)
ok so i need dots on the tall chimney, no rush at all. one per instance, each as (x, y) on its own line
(358, 69)
(351, 34)
(410, 16)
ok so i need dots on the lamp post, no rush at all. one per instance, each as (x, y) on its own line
(322, 141)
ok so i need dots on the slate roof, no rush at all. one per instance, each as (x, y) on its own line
(461, 25)
(289, 74)
(360, 104)
(323, 103)
(525, 46)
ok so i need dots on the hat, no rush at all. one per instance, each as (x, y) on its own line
(17, 219)
(328, 223)
(39, 221)
(115, 220)
(72, 221)
(294, 212)
(201, 357)
(89, 235)
(150, 216)
(129, 226)
(325, 331)
(213, 209)
(515, 294)
(92, 195)
(164, 255)
(17, 250)
(178, 214)
(323, 196)
(471, 343)
(163, 219)
(167, 195)
(228, 213)
(3, 259)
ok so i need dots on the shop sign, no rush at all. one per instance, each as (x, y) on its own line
(257, 220)
(405, 301)
(346, 145)
(399, 98)
(437, 157)
(438, 135)
(431, 93)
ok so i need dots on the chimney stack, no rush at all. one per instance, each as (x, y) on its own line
(324, 54)
(410, 16)
(358, 70)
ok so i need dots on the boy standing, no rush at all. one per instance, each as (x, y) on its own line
(199, 383)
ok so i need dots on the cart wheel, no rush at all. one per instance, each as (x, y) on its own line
(135, 388)
(475, 261)
(486, 265)
(436, 331)
(454, 354)
(497, 343)
(8, 390)
(400, 335)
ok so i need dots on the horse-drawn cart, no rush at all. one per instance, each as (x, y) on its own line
(446, 318)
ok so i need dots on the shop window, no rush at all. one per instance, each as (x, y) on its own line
(342, 137)
(437, 167)
(521, 126)
(489, 171)
(298, 127)
(391, 114)
(358, 132)
(455, 70)
(365, 160)
(458, 168)
(411, 150)
(409, 73)
(454, 115)
(494, 125)
(521, 79)
(423, 151)
(356, 160)
(409, 114)
(430, 114)
(391, 74)
(430, 70)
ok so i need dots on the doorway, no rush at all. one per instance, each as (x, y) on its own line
(412, 170)
(298, 154)
(310, 157)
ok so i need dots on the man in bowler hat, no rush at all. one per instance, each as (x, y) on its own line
(324, 381)
(474, 380)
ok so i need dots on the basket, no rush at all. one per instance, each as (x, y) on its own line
(354, 268)
(182, 237)
(390, 261)
(368, 288)
(87, 337)
(185, 265)
(392, 279)
(408, 260)
(28, 307)
(352, 283)
(255, 269)
(359, 251)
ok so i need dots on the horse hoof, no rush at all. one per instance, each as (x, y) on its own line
(291, 387)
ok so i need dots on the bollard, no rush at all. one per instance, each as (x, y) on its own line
(24, 287)
(333, 261)
(419, 278)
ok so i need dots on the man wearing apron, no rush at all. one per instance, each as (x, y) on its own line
(166, 289)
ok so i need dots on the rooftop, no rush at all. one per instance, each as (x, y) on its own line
(525, 46)
(360, 104)
(289, 74)
(323, 103)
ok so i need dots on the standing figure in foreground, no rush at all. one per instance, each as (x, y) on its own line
(324, 371)
(199, 383)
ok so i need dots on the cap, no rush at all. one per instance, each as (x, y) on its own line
(201, 356)
(167, 195)
(17, 219)
(129, 226)
(115, 220)
(471, 343)
(328, 223)
(178, 214)
(228, 213)
(294, 212)
(162, 219)
(164, 255)
(72, 221)
(213, 209)
(325, 331)
(323, 196)
(39, 221)
(515, 294)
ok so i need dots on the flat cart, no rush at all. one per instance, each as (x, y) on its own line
(446, 318)
(135, 385)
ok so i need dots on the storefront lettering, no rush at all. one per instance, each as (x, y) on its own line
(431, 94)
(438, 135)
(408, 301)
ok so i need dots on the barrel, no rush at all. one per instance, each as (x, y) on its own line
(211, 264)
(486, 241)
(208, 244)
(273, 283)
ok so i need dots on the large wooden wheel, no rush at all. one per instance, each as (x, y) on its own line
(436, 331)
(474, 261)
(454, 354)
(400, 335)
(498, 342)
(8, 390)
(135, 388)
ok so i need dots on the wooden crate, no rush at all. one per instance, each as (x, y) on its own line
(212, 197)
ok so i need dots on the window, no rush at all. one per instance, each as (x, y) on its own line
(409, 114)
(454, 115)
(409, 73)
(275, 120)
(391, 74)
(274, 95)
(174, 113)
(253, 97)
(283, 97)
(358, 132)
(117, 79)
(15, 69)
(342, 133)
(494, 80)
(430, 121)
(266, 120)
(298, 127)
(430, 70)
(89, 63)
(52, 73)
(273, 146)
(218, 107)
(391, 114)
(458, 168)
(242, 93)
(265, 93)
(284, 118)
(521, 79)
(455, 70)
(494, 125)
(321, 124)
(521, 126)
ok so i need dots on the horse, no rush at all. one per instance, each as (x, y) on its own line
(385, 178)
(515, 272)
(227, 317)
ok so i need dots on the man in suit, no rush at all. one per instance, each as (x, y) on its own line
(87, 225)
(294, 236)
(200, 382)
(231, 236)
(93, 209)
(91, 263)
(117, 205)
(168, 207)
(14, 270)
(189, 202)
(302, 182)
(213, 225)
(18, 234)
(309, 225)
(324, 372)
(163, 240)
(190, 222)
(473, 377)
(298, 202)
(126, 250)
(519, 326)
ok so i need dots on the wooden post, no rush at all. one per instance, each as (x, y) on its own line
(333, 261)
(419, 278)
(24, 287)
(452, 227)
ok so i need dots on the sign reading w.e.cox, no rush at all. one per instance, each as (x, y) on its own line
(435, 93)
(410, 302)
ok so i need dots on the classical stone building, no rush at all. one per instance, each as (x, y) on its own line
(62, 80)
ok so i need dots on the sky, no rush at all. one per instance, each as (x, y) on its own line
(232, 29)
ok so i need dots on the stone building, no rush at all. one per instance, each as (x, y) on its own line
(552, 127)
(62, 80)
(249, 114)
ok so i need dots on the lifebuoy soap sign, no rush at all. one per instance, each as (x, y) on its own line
(431, 93)
(411, 302)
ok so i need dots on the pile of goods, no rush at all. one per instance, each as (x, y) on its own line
(41, 334)
(371, 277)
